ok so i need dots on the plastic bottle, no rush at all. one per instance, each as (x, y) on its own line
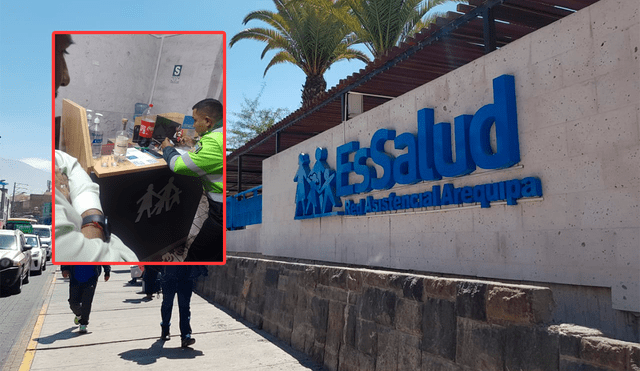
(89, 117)
(129, 128)
(96, 134)
(147, 123)
(122, 142)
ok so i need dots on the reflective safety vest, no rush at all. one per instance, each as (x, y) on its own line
(205, 162)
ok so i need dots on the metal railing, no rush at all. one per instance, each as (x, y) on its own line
(244, 208)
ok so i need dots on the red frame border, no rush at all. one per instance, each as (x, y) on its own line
(224, 164)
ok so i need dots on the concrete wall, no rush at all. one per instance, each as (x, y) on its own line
(578, 105)
(244, 240)
(110, 73)
(360, 319)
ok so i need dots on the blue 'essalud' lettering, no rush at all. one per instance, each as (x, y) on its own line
(429, 154)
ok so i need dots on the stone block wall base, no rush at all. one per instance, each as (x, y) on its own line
(352, 319)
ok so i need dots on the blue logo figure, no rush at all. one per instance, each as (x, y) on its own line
(328, 198)
(315, 193)
(302, 190)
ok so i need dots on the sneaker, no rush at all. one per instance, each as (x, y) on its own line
(76, 320)
(188, 341)
(83, 329)
(165, 335)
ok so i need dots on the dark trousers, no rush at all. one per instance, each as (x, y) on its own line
(170, 287)
(207, 246)
(80, 299)
(150, 278)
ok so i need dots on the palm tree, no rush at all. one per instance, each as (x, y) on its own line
(305, 35)
(383, 24)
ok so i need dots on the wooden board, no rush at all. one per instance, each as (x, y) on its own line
(75, 134)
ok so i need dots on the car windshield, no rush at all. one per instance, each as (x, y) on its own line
(42, 232)
(32, 241)
(8, 243)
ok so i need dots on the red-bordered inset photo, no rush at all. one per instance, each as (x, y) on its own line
(139, 147)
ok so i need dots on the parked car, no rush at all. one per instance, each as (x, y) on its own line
(44, 231)
(15, 260)
(38, 253)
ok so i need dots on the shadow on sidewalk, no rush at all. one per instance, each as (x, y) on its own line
(303, 359)
(137, 301)
(156, 351)
(62, 335)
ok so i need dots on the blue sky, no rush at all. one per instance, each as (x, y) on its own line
(25, 58)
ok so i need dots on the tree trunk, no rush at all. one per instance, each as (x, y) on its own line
(313, 86)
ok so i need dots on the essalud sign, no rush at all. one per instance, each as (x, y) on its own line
(428, 157)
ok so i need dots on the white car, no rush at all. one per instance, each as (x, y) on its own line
(15, 260)
(38, 254)
(44, 232)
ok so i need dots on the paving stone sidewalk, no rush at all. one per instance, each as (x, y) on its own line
(124, 330)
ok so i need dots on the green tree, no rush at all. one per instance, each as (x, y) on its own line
(304, 34)
(251, 121)
(383, 24)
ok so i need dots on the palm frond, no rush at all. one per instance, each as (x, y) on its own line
(312, 34)
(281, 57)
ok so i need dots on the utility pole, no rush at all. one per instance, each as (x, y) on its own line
(3, 215)
(13, 200)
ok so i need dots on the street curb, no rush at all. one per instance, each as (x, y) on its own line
(30, 352)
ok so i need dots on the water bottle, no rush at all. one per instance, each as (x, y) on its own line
(130, 125)
(96, 134)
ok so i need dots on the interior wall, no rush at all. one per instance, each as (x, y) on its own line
(199, 56)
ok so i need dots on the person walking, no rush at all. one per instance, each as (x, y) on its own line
(178, 279)
(150, 279)
(82, 286)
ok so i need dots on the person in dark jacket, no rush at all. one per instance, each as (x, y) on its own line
(82, 286)
(178, 279)
(150, 278)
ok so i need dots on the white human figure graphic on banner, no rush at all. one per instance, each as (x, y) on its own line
(166, 198)
(175, 199)
(168, 195)
(146, 202)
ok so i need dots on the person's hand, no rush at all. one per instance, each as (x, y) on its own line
(62, 184)
(188, 141)
(106, 278)
(166, 143)
(65, 274)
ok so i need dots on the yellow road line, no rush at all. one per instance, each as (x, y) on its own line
(31, 348)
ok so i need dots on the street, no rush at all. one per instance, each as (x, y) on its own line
(18, 317)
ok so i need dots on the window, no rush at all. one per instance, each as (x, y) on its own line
(8, 242)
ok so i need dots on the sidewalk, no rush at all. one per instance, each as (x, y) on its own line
(124, 330)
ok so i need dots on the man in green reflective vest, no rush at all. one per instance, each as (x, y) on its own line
(206, 162)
